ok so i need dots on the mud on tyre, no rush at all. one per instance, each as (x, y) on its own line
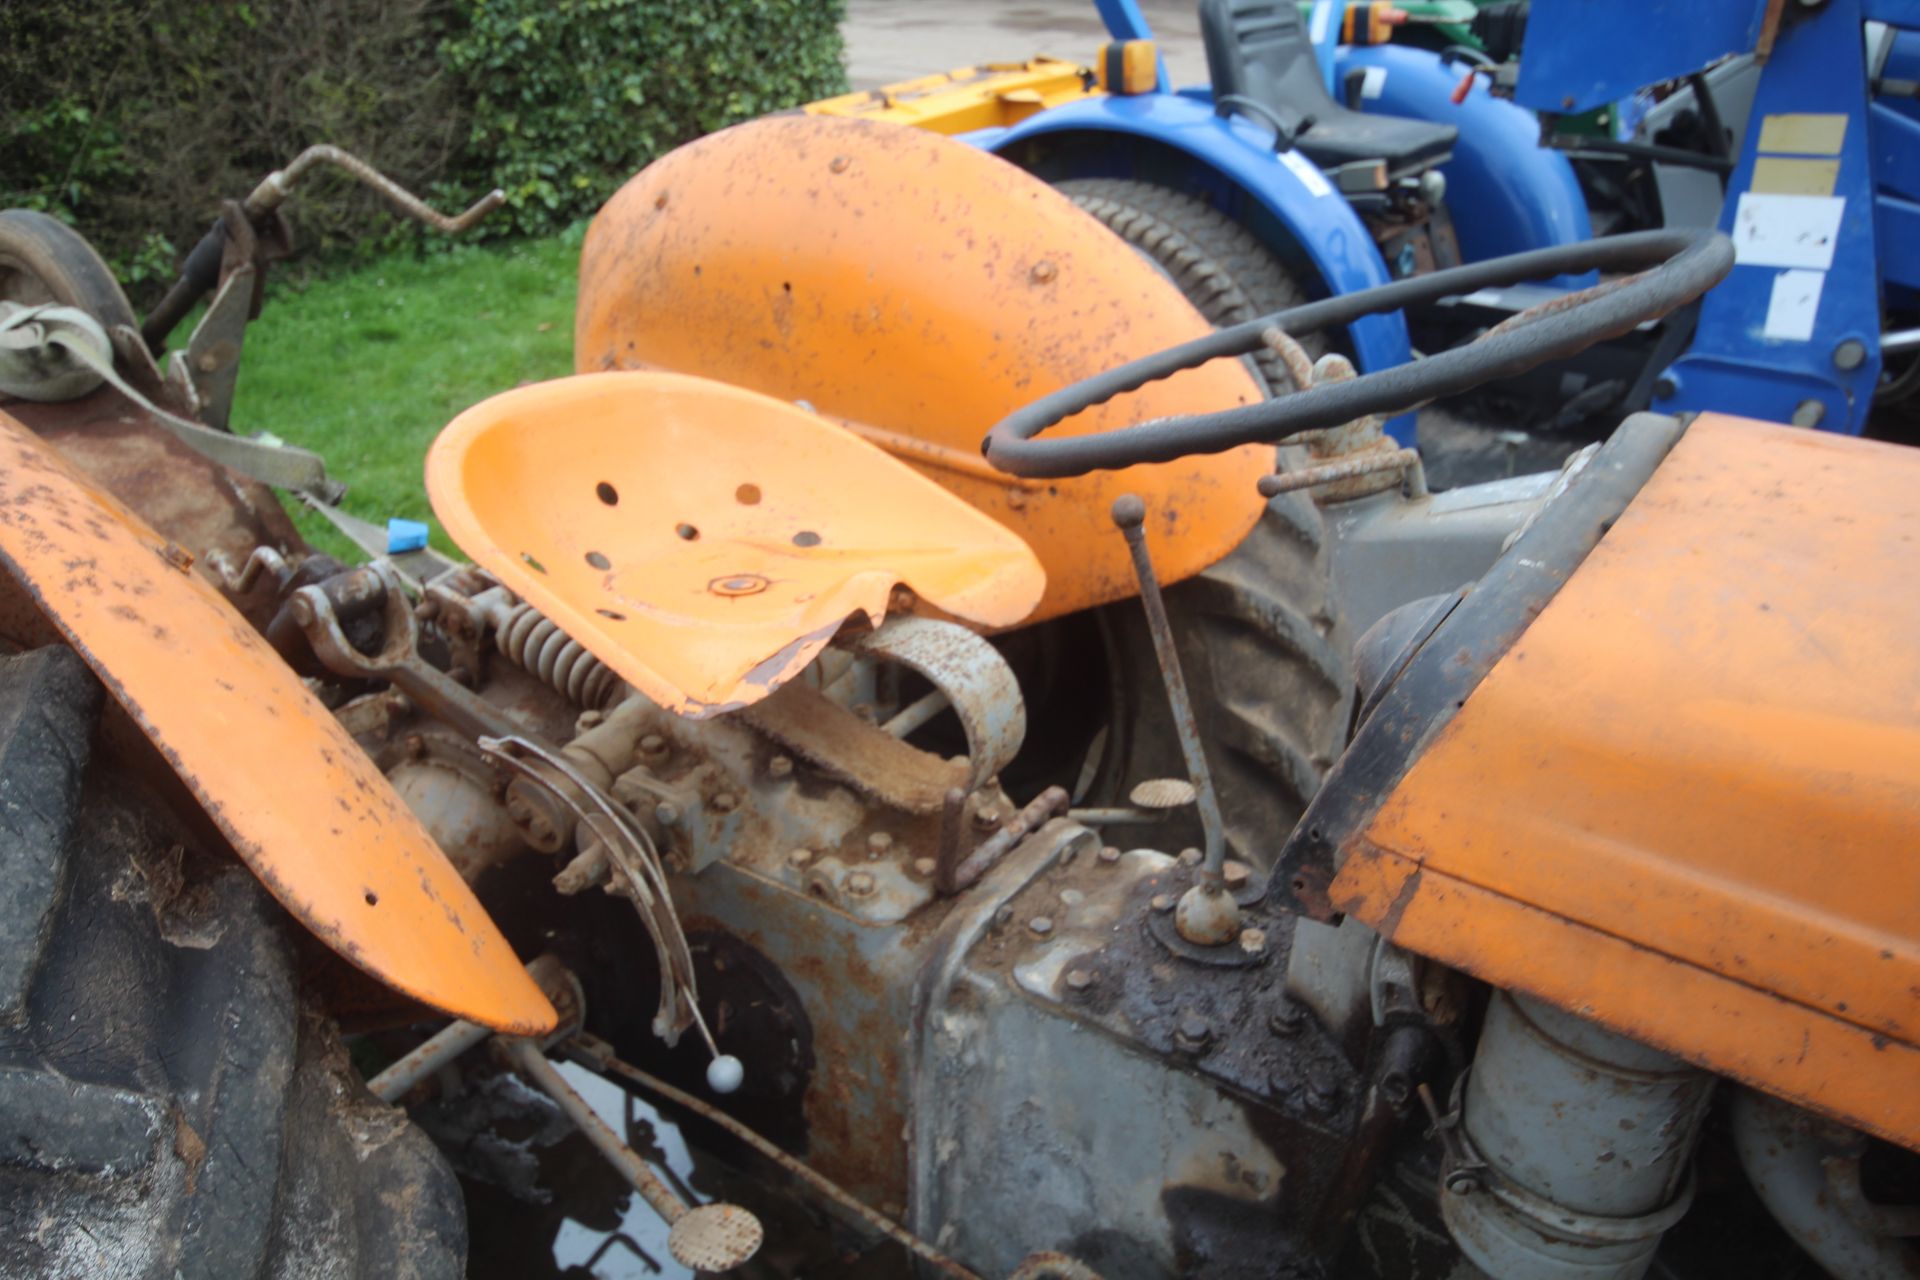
(166, 1109)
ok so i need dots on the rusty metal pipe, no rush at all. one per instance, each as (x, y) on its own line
(531, 1061)
(598, 1056)
(996, 846)
(434, 1053)
(1402, 460)
(276, 186)
(946, 862)
(1130, 514)
(917, 713)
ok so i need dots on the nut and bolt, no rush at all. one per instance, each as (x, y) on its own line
(653, 748)
(1040, 926)
(1463, 1182)
(780, 767)
(1109, 853)
(518, 811)
(1078, 980)
(879, 844)
(666, 813)
(860, 884)
(725, 802)
(1323, 1089)
(1289, 1019)
(1849, 355)
(1192, 1033)
(923, 866)
(1190, 857)
(589, 720)
(1236, 874)
(799, 858)
(1043, 272)
(1253, 941)
(1808, 413)
(1162, 902)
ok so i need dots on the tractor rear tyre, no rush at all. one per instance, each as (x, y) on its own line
(166, 1108)
(1264, 653)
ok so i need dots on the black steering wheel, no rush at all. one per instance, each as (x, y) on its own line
(1673, 268)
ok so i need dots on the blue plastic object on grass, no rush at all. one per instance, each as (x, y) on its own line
(405, 535)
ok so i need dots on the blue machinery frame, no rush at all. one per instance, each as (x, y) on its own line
(1789, 336)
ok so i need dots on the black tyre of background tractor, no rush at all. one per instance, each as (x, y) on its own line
(1265, 655)
(44, 260)
(166, 1109)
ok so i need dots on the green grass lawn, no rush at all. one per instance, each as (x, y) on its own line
(366, 368)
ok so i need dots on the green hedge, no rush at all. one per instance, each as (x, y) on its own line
(176, 105)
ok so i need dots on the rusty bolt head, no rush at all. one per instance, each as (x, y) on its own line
(799, 858)
(1190, 857)
(1288, 1019)
(1162, 902)
(1192, 1032)
(780, 766)
(725, 802)
(840, 164)
(1044, 272)
(1253, 941)
(1323, 1089)
(1041, 926)
(1235, 874)
(860, 884)
(878, 844)
(923, 866)
(416, 746)
(1079, 979)
(1109, 853)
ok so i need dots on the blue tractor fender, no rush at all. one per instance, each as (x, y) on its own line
(1507, 193)
(1178, 141)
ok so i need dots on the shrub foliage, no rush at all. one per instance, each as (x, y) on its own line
(133, 120)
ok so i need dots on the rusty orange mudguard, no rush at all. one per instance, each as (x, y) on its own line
(1686, 803)
(300, 802)
(704, 541)
(918, 290)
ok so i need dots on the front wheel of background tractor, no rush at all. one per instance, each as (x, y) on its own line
(1263, 649)
(166, 1108)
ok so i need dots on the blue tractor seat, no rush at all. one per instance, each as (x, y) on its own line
(1258, 51)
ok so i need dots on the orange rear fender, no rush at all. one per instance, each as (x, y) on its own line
(917, 290)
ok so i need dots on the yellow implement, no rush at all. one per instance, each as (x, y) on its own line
(997, 94)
